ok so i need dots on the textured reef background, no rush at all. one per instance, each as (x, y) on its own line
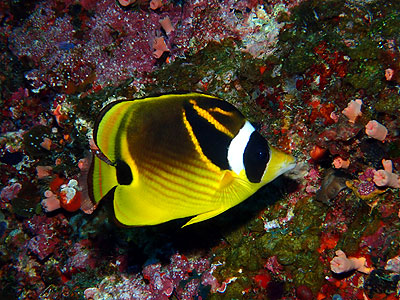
(292, 67)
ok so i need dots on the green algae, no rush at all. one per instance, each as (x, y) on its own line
(295, 248)
(219, 69)
(9, 284)
(23, 207)
(364, 224)
(183, 74)
(344, 28)
(244, 256)
(11, 71)
(367, 77)
(308, 216)
(394, 148)
(28, 200)
(386, 19)
(298, 250)
(389, 104)
(311, 24)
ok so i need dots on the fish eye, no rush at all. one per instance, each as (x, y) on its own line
(261, 154)
(255, 157)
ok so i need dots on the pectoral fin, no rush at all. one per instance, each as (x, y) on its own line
(232, 191)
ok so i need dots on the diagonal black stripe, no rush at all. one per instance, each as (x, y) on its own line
(213, 142)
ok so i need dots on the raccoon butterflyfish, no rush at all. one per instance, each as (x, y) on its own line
(179, 155)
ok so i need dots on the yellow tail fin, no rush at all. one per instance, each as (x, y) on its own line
(104, 178)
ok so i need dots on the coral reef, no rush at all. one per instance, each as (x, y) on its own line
(319, 79)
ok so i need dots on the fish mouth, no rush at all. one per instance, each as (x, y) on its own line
(287, 166)
(280, 162)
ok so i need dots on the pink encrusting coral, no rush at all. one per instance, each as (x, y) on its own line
(167, 25)
(45, 234)
(353, 110)
(386, 177)
(81, 257)
(389, 72)
(51, 201)
(117, 44)
(159, 46)
(339, 163)
(126, 2)
(182, 276)
(43, 171)
(376, 130)
(9, 192)
(155, 4)
(341, 263)
(115, 47)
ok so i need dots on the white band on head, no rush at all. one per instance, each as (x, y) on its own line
(237, 147)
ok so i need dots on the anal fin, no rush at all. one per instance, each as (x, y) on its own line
(206, 216)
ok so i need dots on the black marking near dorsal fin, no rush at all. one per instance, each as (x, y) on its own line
(213, 142)
(222, 112)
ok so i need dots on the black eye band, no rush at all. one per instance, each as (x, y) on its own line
(255, 157)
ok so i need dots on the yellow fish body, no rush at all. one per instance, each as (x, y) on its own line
(177, 156)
